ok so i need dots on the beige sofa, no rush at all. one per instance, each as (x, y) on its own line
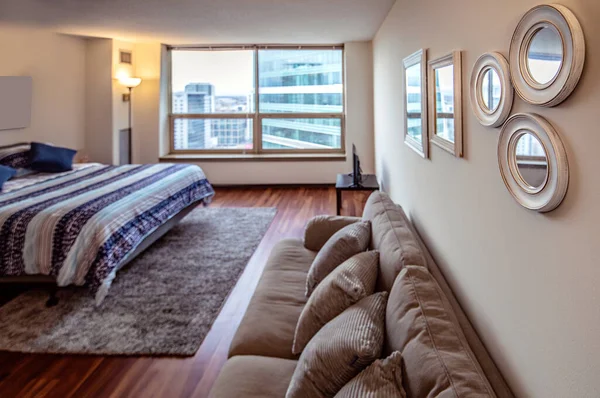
(261, 362)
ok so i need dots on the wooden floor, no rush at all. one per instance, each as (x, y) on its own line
(26, 375)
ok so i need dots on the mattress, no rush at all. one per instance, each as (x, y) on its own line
(79, 226)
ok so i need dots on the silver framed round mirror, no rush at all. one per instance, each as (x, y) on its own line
(547, 54)
(491, 90)
(533, 162)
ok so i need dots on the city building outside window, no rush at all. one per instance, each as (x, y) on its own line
(257, 99)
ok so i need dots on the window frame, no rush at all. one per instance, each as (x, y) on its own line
(256, 116)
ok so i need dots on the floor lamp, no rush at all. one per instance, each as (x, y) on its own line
(130, 83)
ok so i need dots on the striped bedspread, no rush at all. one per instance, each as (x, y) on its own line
(79, 226)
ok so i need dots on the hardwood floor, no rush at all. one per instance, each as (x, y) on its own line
(27, 375)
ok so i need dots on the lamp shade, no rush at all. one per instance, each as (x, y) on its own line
(130, 82)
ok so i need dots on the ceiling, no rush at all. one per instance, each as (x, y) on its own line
(205, 21)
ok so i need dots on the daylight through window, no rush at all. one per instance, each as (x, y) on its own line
(257, 100)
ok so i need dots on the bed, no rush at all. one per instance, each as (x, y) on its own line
(80, 227)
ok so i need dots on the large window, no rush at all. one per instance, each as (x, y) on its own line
(257, 100)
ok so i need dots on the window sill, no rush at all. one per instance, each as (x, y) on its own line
(295, 157)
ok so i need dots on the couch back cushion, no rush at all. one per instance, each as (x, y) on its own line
(420, 323)
(392, 237)
(342, 349)
(344, 244)
(345, 286)
(383, 379)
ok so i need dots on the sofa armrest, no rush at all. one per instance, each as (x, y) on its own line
(320, 228)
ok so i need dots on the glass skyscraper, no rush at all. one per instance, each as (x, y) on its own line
(300, 81)
(200, 98)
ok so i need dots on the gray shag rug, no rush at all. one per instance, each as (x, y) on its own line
(162, 303)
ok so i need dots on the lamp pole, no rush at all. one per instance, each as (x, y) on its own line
(130, 128)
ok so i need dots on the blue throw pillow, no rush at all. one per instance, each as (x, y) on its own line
(51, 159)
(6, 173)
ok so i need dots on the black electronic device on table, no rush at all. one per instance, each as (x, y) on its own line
(356, 171)
(354, 181)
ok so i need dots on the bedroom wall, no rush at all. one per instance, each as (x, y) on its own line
(57, 65)
(146, 103)
(120, 108)
(98, 101)
(106, 112)
(359, 127)
(528, 281)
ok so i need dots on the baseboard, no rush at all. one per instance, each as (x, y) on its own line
(266, 186)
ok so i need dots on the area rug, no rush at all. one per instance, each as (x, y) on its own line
(162, 303)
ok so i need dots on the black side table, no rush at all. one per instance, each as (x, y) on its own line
(344, 183)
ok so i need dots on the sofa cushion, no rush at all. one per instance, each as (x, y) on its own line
(253, 377)
(320, 228)
(382, 379)
(341, 349)
(345, 243)
(393, 237)
(345, 286)
(269, 324)
(436, 356)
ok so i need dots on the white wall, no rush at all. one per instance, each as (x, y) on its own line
(77, 102)
(359, 105)
(146, 102)
(57, 65)
(120, 115)
(359, 127)
(106, 112)
(98, 101)
(529, 282)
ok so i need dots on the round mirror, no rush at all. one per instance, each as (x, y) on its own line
(531, 161)
(545, 55)
(491, 89)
